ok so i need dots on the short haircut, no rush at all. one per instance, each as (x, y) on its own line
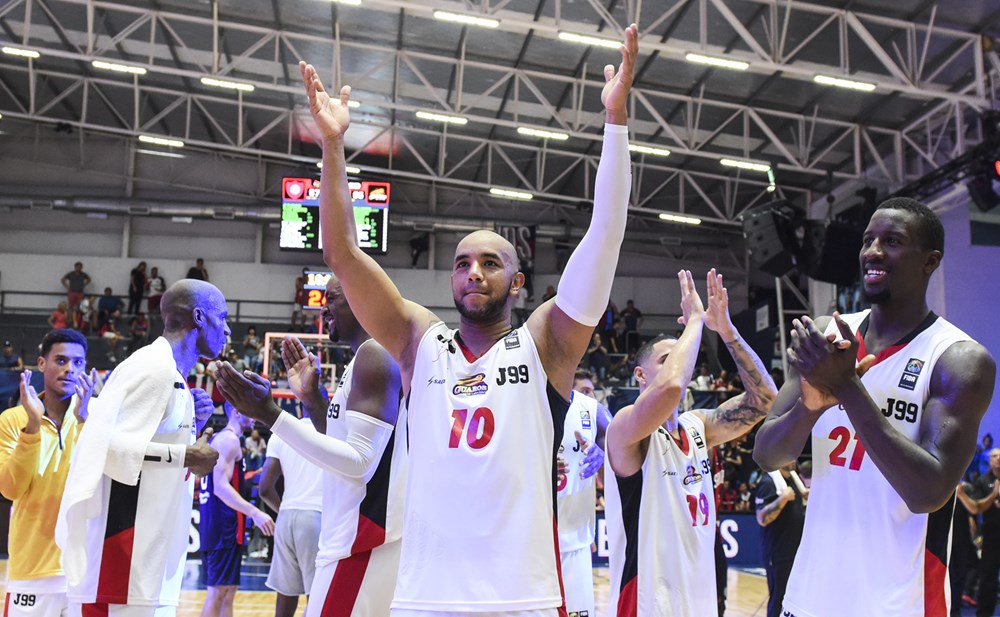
(62, 335)
(79, 263)
(582, 374)
(930, 229)
(647, 348)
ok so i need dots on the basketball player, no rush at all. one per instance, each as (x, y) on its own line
(37, 440)
(660, 501)
(581, 456)
(362, 449)
(487, 402)
(297, 527)
(125, 515)
(223, 508)
(889, 446)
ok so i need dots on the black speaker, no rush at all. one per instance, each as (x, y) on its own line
(830, 252)
(982, 191)
(769, 231)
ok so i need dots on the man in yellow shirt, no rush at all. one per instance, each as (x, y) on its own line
(36, 444)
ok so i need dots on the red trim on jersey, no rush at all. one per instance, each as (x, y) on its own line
(116, 563)
(348, 575)
(882, 355)
(6, 605)
(95, 610)
(370, 534)
(628, 601)
(683, 443)
(935, 576)
(234, 481)
(555, 542)
(469, 356)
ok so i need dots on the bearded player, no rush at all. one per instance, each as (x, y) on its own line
(486, 402)
(660, 500)
(892, 398)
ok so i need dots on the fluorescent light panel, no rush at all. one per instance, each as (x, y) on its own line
(437, 117)
(170, 155)
(748, 165)
(118, 68)
(349, 169)
(161, 141)
(677, 218)
(469, 20)
(18, 51)
(840, 82)
(725, 63)
(351, 2)
(641, 149)
(225, 83)
(530, 132)
(586, 39)
(511, 194)
(353, 103)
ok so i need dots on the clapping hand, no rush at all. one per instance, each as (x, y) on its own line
(593, 456)
(32, 404)
(717, 314)
(248, 392)
(691, 306)
(85, 384)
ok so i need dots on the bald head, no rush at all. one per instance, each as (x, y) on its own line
(484, 240)
(183, 297)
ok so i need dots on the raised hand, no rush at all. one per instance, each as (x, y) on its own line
(593, 456)
(203, 405)
(200, 458)
(330, 113)
(617, 84)
(248, 392)
(84, 390)
(691, 306)
(717, 314)
(32, 404)
(303, 369)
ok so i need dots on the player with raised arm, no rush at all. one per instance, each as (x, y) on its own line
(892, 398)
(660, 501)
(486, 402)
(360, 443)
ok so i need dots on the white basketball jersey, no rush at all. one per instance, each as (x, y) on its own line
(661, 528)
(863, 552)
(361, 513)
(576, 497)
(479, 533)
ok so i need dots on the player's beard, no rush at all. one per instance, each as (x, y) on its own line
(876, 297)
(490, 312)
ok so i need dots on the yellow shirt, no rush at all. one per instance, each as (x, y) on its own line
(33, 471)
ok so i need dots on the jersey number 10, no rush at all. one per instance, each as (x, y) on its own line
(480, 427)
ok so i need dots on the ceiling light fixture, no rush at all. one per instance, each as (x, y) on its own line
(169, 155)
(530, 132)
(511, 194)
(469, 20)
(161, 141)
(353, 103)
(586, 39)
(225, 83)
(748, 165)
(351, 2)
(349, 169)
(725, 63)
(648, 150)
(438, 117)
(840, 82)
(118, 68)
(677, 218)
(18, 51)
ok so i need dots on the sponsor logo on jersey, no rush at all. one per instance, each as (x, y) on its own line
(585, 418)
(692, 476)
(511, 341)
(697, 438)
(435, 381)
(471, 386)
(911, 373)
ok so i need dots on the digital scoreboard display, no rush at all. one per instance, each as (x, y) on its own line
(315, 286)
(300, 215)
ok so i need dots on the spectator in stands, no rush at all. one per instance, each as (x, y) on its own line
(727, 497)
(198, 271)
(256, 448)
(781, 512)
(59, 319)
(139, 331)
(633, 321)
(88, 314)
(251, 348)
(743, 498)
(617, 340)
(136, 287)
(722, 381)
(108, 331)
(981, 460)
(550, 292)
(9, 359)
(606, 326)
(704, 379)
(107, 304)
(75, 282)
(597, 357)
(983, 499)
(155, 285)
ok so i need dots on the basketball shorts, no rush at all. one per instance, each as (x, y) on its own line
(360, 585)
(540, 612)
(296, 540)
(578, 582)
(31, 604)
(120, 610)
(222, 566)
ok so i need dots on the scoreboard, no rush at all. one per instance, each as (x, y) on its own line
(300, 215)
(315, 286)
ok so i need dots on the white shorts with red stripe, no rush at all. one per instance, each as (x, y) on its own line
(120, 610)
(578, 582)
(31, 604)
(359, 586)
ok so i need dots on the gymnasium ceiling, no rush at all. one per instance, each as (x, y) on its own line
(932, 66)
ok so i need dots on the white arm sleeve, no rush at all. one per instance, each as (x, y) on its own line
(355, 457)
(586, 281)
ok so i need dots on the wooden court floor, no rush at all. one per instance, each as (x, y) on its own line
(747, 595)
